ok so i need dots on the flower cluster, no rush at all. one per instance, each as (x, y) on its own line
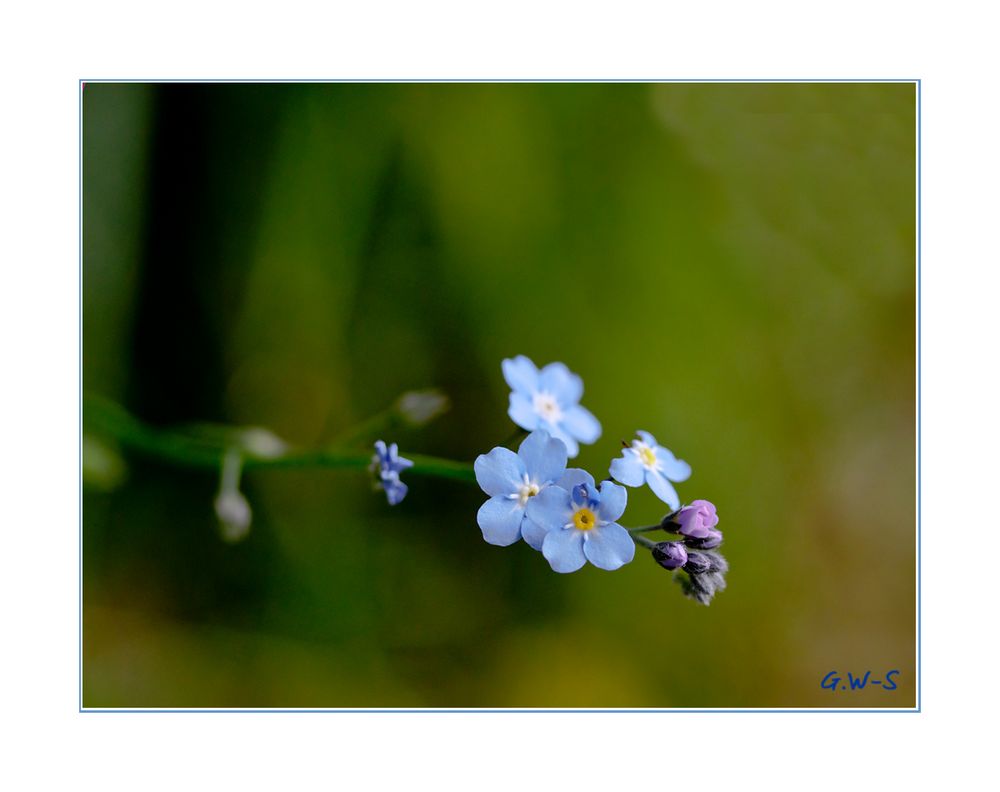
(706, 576)
(564, 513)
(560, 512)
(695, 553)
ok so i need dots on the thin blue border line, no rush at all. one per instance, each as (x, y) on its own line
(459, 710)
(834, 710)
(79, 369)
(920, 632)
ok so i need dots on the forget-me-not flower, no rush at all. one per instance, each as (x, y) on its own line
(645, 462)
(514, 480)
(387, 465)
(580, 524)
(549, 399)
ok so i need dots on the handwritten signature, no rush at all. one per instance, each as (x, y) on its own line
(833, 681)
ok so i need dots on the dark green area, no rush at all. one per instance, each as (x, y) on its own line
(731, 267)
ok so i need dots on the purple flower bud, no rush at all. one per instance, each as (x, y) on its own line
(706, 575)
(710, 542)
(668, 523)
(719, 563)
(670, 555)
(697, 563)
(697, 519)
(697, 587)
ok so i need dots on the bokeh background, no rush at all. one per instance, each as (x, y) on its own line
(729, 266)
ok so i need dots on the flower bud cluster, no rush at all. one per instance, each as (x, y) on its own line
(695, 552)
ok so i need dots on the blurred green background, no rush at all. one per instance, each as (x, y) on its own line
(729, 266)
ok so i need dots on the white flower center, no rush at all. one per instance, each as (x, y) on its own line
(646, 454)
(527, 489)
(547, 407)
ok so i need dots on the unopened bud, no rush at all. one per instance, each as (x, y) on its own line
(262, 443)
(234, 515)
(698, 563)
(710, 542)
(695, 520)
(670, 555)
(420, 407)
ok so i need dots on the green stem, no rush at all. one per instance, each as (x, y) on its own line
(646, 528)
(111, 420)
(642, 541)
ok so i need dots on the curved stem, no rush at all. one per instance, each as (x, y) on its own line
(642, 541)
(646, 528)
(113, 421)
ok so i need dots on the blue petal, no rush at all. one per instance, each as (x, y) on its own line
(520, 374)
(608, 547)
(499, 472)
(673, 468)
(522, 412)
(563, 549)
(572, 447)
(533, 533)
(550, 508)
(628, 470)
(574, 476)
(544, 457)
(613, 500)
(500, 520)
(647, 438)
(381, 454)
(584, 495)
(395, 490)
(581, 423)
(663, 489)
(563, 384)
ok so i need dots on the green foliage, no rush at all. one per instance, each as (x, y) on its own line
(732, 263)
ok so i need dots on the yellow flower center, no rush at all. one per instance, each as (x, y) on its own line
(584, 519)
(647, 456)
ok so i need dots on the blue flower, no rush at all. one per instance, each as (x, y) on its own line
(580, 523)
(549, 399)
(512, 481)
(645, 462)
(387, 465)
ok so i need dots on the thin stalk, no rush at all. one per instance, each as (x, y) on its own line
(642, 541)
(110, 420)
(646, 528)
